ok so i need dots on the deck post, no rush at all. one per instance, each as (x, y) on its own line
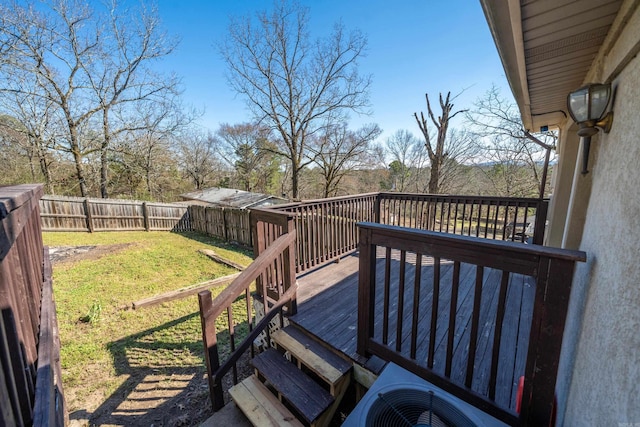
(289, 265)
(211, 357)
(366, 290)
(553, 288)
(258, 239)
(376, 208)
(541, 220)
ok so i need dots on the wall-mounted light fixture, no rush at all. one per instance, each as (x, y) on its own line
(588, 106)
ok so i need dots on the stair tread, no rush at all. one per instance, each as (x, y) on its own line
(260, 406)
(314, 355)
(305, 395)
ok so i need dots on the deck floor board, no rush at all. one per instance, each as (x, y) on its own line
(328, 309)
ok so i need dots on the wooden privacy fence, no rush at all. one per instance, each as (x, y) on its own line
(229, 224)
(30, 381)
(85, 214)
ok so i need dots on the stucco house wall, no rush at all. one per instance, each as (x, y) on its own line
(599, 373)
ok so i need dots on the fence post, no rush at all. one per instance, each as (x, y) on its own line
(87, 214)
(225, 225)
(145, 215)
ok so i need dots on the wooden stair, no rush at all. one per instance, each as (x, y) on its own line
(261, 406)
(311, 387)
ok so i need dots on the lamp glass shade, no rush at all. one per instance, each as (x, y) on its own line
(579, 105)
(599, 99)
(589, 102)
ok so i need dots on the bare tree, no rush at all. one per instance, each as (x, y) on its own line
(405, 150)
(440, 149)
(248, 148)
(340, 150)
(292, 84)
(52, 48)
(518, 159)
(30, 128)
(122, 76)
(199, 159)
(81, 63)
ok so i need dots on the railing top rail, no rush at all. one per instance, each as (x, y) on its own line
(461, 197)
(326, 200)
(239, 285)
(272, 211)
(405, 234)
(112, 201)
(12, 197)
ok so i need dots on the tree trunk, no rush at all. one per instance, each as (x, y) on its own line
(294, 182)
(77, 159)
(44, 168)
(104, 160)
(295, 173)
(434, 177)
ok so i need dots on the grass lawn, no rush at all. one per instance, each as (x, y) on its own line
(107, 351)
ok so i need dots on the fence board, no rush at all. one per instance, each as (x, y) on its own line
(230, 224)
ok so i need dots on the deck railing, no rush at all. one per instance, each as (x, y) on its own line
(327, 227)
(430, 339)
(273, 271)
(325, 230)
(30, 377)
(501, 218)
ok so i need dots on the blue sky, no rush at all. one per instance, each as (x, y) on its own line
(415, 47)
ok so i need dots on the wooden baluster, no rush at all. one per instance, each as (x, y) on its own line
(497, 334)
(400, 308)
(416, 305)
(232, 342)
(434, 311)
(453, 309)
(475, 320)
(386, 302)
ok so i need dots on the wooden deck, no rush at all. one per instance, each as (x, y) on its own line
(328, 309)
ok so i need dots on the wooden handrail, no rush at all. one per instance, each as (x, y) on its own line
(287, 206)
(441, 240)
(326, 227)
(280, 249)
(240, 283)
(257, 330)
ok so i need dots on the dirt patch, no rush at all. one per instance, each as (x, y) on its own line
(61, 254)
(148, 396)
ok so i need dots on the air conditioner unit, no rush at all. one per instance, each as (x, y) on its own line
(400, 398)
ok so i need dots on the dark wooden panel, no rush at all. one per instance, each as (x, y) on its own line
(307, 397)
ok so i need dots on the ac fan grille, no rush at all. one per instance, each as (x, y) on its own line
(411, 403)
